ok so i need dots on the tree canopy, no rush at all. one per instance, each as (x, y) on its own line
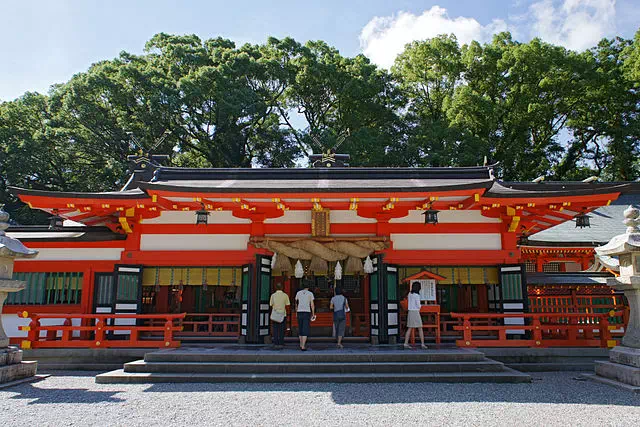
(536, 108)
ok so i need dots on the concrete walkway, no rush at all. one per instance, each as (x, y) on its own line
(72, 398)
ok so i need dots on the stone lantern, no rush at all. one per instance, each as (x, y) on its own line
(11, 365)
(623, 367)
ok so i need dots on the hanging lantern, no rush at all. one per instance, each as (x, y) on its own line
(582, 220)
(202, 216)
(56, 222)
(430, 216)
(299, 270)
(338, 271)
(368, 265)
(523, 240)
(274, 259)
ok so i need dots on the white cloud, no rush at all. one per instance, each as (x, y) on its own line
(575, 24)
(383, 38)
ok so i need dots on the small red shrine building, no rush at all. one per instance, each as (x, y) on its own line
(201, 241)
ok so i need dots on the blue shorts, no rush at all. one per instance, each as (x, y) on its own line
(304, 323)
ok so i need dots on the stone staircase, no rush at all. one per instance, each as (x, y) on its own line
(191, 365)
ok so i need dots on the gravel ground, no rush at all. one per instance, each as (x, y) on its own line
(73, 398)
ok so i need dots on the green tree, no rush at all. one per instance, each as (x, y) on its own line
(515, 102)
(604, 126)
(428, 73)
(337, 98)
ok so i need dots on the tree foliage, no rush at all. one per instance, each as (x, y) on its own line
(536, 108)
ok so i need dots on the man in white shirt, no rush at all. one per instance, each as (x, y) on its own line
(305, 311)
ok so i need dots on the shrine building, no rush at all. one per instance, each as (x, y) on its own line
(203, 242)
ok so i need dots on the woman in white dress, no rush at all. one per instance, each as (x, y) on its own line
(414, 320)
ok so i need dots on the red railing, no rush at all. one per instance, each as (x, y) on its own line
(360, 325)
(359, 322)
(211, 325)
(101, 331)
(575, 303)
(540, 329)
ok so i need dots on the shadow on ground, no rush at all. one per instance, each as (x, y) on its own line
(554, 387)
(38, 395)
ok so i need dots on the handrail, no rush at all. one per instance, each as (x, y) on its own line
(579, 330)
(98, 331)
(220, 328)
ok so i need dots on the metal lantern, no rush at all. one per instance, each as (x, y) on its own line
(56, 221)
(582, 220)
(202, 216)
(430, 216)
(523, 240)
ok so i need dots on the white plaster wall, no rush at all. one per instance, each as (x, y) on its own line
(434, 241)
(471, 216)
(193, 242)
(189, 217)
(348, 217)
(11, 322)
(75, 254)
(291, 217)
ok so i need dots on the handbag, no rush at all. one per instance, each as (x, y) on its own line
(277, 316)
(340, 315)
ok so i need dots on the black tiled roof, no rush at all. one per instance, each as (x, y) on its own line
(567, 278)
(606, 222)
(569, 188)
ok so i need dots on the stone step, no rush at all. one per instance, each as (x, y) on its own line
(615, 371)
(312, 368)
(336, 356)
(506, 376)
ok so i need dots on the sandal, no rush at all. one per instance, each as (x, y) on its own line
(424, 347)
(407, 346)
(340, 346)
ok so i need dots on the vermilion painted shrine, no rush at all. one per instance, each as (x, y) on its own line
(201, 242)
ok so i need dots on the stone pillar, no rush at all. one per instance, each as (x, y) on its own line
(623, 367)
(11, 365)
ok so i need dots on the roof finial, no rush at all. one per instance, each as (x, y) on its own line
(631, 220)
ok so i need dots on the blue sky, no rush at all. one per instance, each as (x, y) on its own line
(46, 42)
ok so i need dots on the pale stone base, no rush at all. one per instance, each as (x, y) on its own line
(16, 372)
(613, 383)
(12, 367)
(625, 356)
(616, 371)
(623, 366)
